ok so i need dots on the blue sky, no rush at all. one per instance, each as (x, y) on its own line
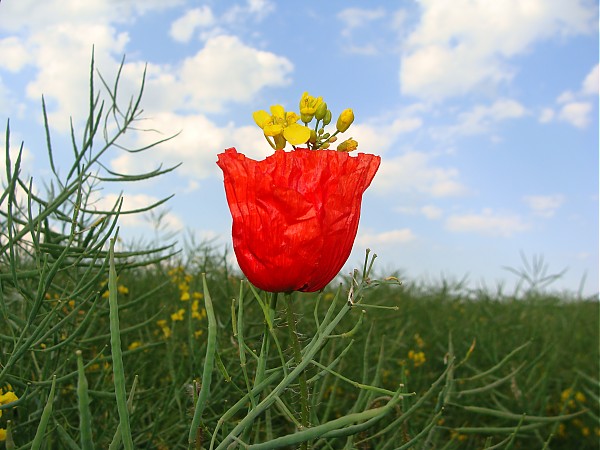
(485, 114)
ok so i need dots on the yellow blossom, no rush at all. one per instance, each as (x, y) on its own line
(197, 295)
(345, 120)
(134, 345)
(348, 145)
(178, 315)
(2, 434)
(308, 106)
(418, 358)
(419, 340)
(281, 126)
(7, 398)
(163, 326)
(122, 289)
(185, 296)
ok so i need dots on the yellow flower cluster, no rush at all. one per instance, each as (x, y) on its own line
(182, 280)
(280, 126)
(121, 289)
(572, 401)
(418, 358)
(5, 398)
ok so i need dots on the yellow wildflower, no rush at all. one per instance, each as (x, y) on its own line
(345, 120)
(308, 106)
(7, 398)
(178, 315)
(163, 326)
(134, 345)
(185, 296)
(418, 358)
(281, 126)
(2, 434)
(348, 145)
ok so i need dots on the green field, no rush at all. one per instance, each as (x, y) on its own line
(109, 344)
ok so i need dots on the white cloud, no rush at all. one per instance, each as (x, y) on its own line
(34, 15)
(576, 113)
(590, 84)
(257, 9)
(546, 115)
(414, 172)
(481, 118)
(464, 45)
(357, 20)
(183, 28)
(576, 107)
(400, 236)
(431, 212)
(14, 54)
(133, 202)
(380, 138)
(211, 77)
(487, 223)
(544, 205)
(196, 147)
(353, 18)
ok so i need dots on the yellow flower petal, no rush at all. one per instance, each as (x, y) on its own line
(291, 118)
(278, 111)
(261, 117)
(272, 129)
(296, 134)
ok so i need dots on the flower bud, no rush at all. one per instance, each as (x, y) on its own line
(313, 137)
(348, 145)
(321, 111)
(327, 118)
(306, 117)
(345, 120)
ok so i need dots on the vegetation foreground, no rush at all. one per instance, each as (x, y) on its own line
(109, 345)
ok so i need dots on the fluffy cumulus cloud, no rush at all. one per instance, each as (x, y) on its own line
(417, 172)
(575, 107)
(195, 146)
(133, 202)
(451, 53)
(481, 119)
(183, 28)
(544, 205)
(488, 222)
(178, 96)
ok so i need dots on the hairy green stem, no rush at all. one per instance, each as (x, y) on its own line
(291, 320)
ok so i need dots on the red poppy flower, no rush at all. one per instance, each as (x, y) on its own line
(295, 214)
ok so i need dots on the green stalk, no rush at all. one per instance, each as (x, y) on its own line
(291, 320)
(209, 362)
(38, 440)
(310, 351)
(85, 416)
(340, 425)
(117, 355)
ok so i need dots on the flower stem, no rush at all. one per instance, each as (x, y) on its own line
(298, 359)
